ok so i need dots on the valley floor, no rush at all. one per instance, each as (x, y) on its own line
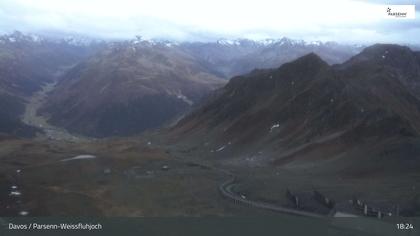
(33, 118)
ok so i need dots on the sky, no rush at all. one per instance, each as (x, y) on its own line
(205, 20)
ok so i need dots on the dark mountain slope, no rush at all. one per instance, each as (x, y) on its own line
(397, 61)
(307, 109)
(127, 88)
(11, 108)
(26, 63)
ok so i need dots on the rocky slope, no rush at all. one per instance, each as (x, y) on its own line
(127, 88)
(306, 110)
(26, 63)
(136, 85)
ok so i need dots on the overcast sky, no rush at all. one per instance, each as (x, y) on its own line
(326, 20)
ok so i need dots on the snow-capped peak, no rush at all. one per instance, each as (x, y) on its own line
(228, 42)
(78, 41)
(139, 40)
(267, 41)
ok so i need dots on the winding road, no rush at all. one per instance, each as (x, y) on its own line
(226, 189)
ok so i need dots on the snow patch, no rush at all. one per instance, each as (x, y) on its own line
(221, 148)
(170, 44)
(15, 193)
(80, 157)
(23, 213)
(266, 42)
(185, 99)
(274, 126)
(78, 41)
(316, 43)
(228, 42)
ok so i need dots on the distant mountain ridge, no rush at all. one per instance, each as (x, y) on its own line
(229, 57)
(236, 57)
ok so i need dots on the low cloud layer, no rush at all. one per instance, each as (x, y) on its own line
(344, 21)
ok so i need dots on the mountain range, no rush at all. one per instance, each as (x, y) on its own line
(132, 86)
(236, 57)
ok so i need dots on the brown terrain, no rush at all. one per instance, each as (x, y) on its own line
(128, 88)
(349, 131)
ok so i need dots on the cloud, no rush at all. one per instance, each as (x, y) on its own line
(345, 20)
